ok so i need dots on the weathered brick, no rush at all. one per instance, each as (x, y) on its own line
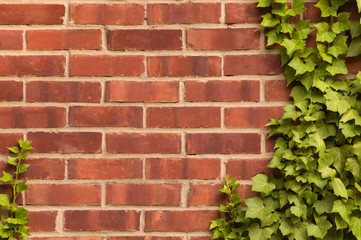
(145, 238)
(206, 194)
(11, 91)
(268, 64)
(42, 221)
(141, 91)
(277, 90)
(67, 238)
(11, 39)
(89, 168)
(184, 117)
(183, 168)
(45, 168)
(224, 39)
(8, 140)
(223, 143)
(143, 194)
(243, 13)
(101, 220)
(144, 39)
(245, 169)
(222, 91)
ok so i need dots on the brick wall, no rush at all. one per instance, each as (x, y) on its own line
(136, 111)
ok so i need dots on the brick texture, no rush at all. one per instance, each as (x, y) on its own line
(136, 111)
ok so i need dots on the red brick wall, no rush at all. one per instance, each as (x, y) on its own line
(136, 111)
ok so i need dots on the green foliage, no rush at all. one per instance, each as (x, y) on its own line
(318, 145)
(14, 217)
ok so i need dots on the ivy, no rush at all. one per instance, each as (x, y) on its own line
(14, 217)
(318, 145)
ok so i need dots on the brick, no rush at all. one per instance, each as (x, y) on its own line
(106, 65)
(353, 65)
(352, 8)
(179, 221)
(32, 117)
(222, 91)
(42, 221)
(252, 64)
(32, 65)
(243, 13)
(67, 238)
(25, 14)
(183, 168)
(7, 189)
(66, 142)
(11, 91)
(223, 143)
(45, 168)
(11, 39)
(313, 13)
(245, 169)
(144, 194)
(182, 66)
(93, 116)
(64, 39)
(250, 117)
(277, 90)
(101, 220)
(71, 194)
(107, 14)
(270, 143)
(144, 39)
(145, 238)
(141, 91)
(200, 238)
(206, 194)
(8, 140)
(143, 143)
(67, 91)
(89, 168)
(224, 39)
(183, 117)
(187, 13)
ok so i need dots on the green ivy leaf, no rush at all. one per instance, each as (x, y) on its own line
(338, 67)
(293, 45)
(256, 209)
(7, 177)
(340, 208)
(323, 33)
(12, 161)
(297, 7)
(269, 20)
(287, 28)
(355, 29)
(261, 184)
(325, 57)
(21, 186)
(326, 9)
(4, 200)
(342, 24)
(339, 188)
(264, 3)
(355, 227)
(325, 205)
(23, 168)
(258, 233)
(319, 230)
(336, 102)
(355, 48)
(273, 37)
(303, 29)
(301, 67)
(353, 165)
(339, 46)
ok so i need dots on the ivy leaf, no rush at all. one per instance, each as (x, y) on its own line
(301, 67)
(12, 161)
(269, 20)
(274, 37)
(261, 184)
(303, 28)
(4, 200)
(14, 149)
(258, 233)
(286, 28)
(325, 205)
(336, 102)
(339, 46)
(323, 35)
(325, 57)
(338, 67)
(355, 29)
(264, 3)
(7, 177)
(21, 186)
(326, 9)
(340, 208)
(355, 227)
(339, 188)
(256, 209)
(342, 24)
(353, 165)
(23, 168)
(355, 48)
(351, 114)
(293, 45)
(297, 7)
(319, 230)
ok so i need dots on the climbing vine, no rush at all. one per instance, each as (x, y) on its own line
(318, 145)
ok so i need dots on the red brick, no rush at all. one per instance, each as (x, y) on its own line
(270, 143)
(252, 64)
(184, 117)
(142, 91)
(89, 168)
(179, 221)
(143, 143)
(56, 91)
(224, 39)
(145, 39)
(245, 169)
(353, 65)
(110, 14)
(243, 13)
(201, 238)
(67, 238)
(182, 66)
(144, 194)
(106, 65)
(32, 117)
(277, 90)
(178, 13)
(183, 168)
(101, 220)
(45, 168)
(25, 14)
(352, 8)
(223, 143)
(11, 39)
(251, 117)
(222, 91)
(93, 116)
(11, 91)
(42, 221)
(145, 238)
(313, 13)
(9, 140)
(66, 142)
(64, 39)
(32, 65)
(7, 189)
(71, 194)
(206, 194)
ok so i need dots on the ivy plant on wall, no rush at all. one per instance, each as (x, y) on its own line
(318, 146)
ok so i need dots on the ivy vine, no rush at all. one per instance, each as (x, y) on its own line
(318, 146)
